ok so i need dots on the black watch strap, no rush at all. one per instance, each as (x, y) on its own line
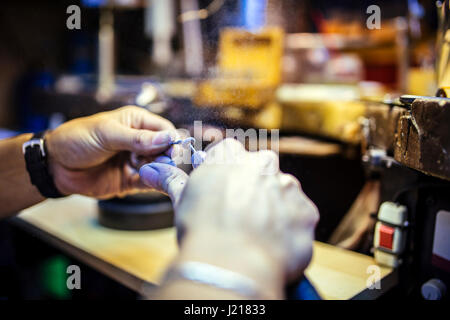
(35, 155)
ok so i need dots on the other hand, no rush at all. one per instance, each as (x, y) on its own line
(230, 200)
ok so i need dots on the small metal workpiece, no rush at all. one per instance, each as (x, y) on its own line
(197, 157)
(186, 143)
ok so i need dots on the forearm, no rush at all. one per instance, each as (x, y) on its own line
(230, 252)
(16, 191)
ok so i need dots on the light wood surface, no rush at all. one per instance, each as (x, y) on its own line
(340, 274)
(138, 259)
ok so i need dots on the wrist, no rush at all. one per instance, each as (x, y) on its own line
(36, 159)
(237, 253)
(14, 173)
(54, 167)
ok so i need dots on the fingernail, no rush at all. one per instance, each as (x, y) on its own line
(162, 138)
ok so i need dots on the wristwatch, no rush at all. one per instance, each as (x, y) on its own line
(36, 157)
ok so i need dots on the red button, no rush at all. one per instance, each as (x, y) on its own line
(386, 236)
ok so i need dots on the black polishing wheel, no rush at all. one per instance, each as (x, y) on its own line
(148, 211)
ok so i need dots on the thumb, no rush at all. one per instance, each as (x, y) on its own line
(165, 178)
(140, 141)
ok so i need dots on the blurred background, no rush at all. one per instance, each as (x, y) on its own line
(178, 45)
(309, 68)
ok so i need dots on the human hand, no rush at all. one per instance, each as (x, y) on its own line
(229, 211)
(86, 155)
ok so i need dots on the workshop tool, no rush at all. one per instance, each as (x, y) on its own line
(197, 157)
(186, 144)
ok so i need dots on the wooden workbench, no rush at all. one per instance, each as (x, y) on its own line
(138, 259)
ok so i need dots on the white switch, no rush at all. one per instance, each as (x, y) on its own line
(393, 213)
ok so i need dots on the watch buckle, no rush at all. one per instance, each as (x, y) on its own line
(32, 143)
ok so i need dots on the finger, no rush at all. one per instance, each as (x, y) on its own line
(166, 160)
(288, 181)
(136, 162)
(293, 193)
(176, 151)
(164, 178)
(266, 161)
(228, 151)
(140, 118)
(142, 142)
(135, 183)
(152, 121)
